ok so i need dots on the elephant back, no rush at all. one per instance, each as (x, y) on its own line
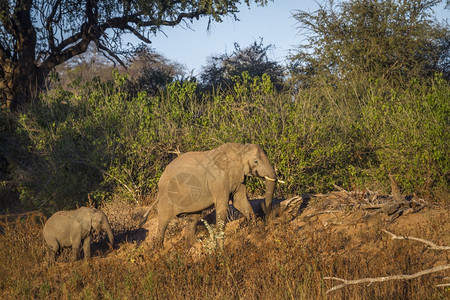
(186, 180)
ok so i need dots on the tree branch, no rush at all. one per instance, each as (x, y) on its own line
(68, 41)
(123, 22)
(49, 22)
(138, 34)
(386, 278)
(292, 200)
(324, 212)
(431, 244)
(60, 54)
(443, 285)
(109, 52)
(57, 58)
(8, 23)
(395, 189)
(5, 56)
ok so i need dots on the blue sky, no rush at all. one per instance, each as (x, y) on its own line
(274, 23)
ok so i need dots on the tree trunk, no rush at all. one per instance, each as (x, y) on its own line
(23, 86)
(19, 74)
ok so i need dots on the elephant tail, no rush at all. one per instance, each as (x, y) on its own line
(147, 213)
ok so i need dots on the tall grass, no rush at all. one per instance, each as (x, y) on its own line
(279, 261)
(103, 140)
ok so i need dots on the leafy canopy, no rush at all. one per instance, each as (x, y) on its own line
(392, 39)
(254, 59)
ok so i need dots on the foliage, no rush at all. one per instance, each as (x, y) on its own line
(213, 243)
(151, 72)
(102, 141)
(411, 130)
(254, 59)
(393, 40)
(350, 125)
(38, 35)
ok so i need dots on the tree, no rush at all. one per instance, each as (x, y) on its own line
(392, 39)
(151, 71)
(38, 35)
(254, 59)
(81, 69)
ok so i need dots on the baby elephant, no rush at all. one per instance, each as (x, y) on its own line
(73, 228)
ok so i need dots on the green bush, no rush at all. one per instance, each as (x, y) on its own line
(411, 135)
(101, 141)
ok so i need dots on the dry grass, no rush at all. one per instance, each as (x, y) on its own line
(285, 258)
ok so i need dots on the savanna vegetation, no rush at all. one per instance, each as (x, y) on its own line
(38, 35)
(368, 96)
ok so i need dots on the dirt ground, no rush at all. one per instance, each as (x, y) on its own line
(307, 247)
(363, 223)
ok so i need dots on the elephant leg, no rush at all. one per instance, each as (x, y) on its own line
(221, 218)
(52, 258)
(241, 203)
(53, 248)
(164, 217)
(76, 247)
(87, 247)
(190, 236)
(75, 250)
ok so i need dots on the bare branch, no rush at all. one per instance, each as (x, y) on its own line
(324, 212)
(340, 189)
(386, 278)
(122, 22)
(131, 191)
(121, 182)
(431, 244)
(109, 52)
(374, 206)
(49, 22)
(443, 285)
(145, 216)
(68, 41)
(176, 151)
(396, 189)
(292, 200)
(181, 16)
(138, 34)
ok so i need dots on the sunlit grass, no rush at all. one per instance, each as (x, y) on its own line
(277, 261)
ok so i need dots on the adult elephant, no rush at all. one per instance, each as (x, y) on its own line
(73, 228)
(195, 181)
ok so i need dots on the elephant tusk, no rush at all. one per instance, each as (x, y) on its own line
(271, 179)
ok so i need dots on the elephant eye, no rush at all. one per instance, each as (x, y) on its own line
(255, 161)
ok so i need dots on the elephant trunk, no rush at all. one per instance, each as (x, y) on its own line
(271, 180)
(110, 234)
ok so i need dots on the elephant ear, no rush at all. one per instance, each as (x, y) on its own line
(84, 217)
(228, 159)
(221, 160)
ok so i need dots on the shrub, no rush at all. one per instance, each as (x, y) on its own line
(101, 141)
